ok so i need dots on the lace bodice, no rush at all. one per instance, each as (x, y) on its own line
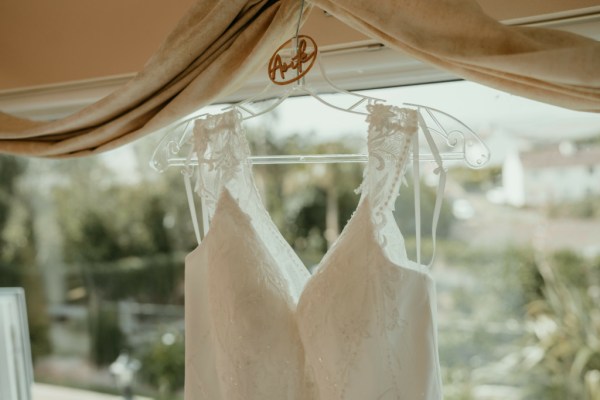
(258, 326)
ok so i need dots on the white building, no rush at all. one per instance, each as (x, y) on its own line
(553, 174)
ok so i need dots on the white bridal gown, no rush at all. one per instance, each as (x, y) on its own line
(260, 327)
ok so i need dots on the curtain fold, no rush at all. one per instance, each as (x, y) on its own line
(551, 66)
(214, 47)
(219, 43)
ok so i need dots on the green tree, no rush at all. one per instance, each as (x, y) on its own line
(121, 241)
(18, 266)
(307, 202)
(312, 202)
(163, 364)
(562, 359)
(107, 339)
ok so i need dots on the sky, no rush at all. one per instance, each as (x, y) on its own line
(479, 107)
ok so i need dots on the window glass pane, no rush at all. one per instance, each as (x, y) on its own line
(99, 243)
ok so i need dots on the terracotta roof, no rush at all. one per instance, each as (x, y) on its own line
(552, 157)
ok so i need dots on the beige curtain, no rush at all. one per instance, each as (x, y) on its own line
(220, 42)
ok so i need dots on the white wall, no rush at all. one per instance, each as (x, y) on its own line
(513, 180)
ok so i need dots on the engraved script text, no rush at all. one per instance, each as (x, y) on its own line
(301, 62)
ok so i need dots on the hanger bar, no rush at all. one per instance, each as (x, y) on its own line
(310, 159)
(456, 135)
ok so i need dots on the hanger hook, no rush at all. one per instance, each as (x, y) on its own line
(298, 23)
(296, 44)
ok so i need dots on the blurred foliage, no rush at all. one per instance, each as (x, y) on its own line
(586, 208)
(458, 383)
(297, 195)
(405, 212)
(588, 141)
(130, 245)
(124, 238)
(107, 340)
(128, 222)
(10, 170)
(156, 279)
(557, 295)
(521, 277)
(478, 313)
(562, 356)
(477, 179)
(10, 249)
(462, 255)
(163, 364)
(18, 264)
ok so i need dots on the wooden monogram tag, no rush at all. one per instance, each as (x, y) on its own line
(284, 70)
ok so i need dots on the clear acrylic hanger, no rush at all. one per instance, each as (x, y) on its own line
(462, 143)
(465, 143)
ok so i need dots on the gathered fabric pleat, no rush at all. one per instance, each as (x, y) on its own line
(219, 43)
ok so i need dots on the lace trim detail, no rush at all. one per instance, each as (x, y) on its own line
(391, 130)
(223, 163)
(390, 135)
(222, 153)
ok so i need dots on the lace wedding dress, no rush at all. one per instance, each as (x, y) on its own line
(260, 327)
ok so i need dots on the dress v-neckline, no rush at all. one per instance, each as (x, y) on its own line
(244, 162)
(226, 197)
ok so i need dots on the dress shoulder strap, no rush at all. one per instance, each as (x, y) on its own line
(223, 158)
(391, 132)
(439, 195)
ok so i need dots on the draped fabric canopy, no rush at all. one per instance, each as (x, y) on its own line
(219, 43)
